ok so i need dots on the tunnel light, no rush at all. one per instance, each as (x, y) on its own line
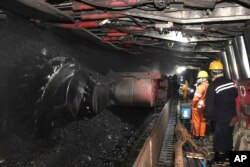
(180, 69)
(191, 90)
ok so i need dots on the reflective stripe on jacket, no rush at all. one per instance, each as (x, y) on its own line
(221, 95)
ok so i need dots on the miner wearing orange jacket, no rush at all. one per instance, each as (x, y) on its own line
(185, 90)
(198, 105)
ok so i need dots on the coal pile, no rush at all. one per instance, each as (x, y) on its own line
(103, 140)
(29, 55)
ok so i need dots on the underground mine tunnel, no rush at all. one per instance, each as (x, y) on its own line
(63, 100)
(98, 83)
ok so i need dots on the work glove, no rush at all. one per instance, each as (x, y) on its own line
(201, 105)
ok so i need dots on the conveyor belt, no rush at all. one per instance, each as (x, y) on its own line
(150, 152)
(166, 156)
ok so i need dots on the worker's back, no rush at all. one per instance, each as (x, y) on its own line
(185, 91)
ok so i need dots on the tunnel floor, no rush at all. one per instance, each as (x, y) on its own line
(110, 138)
(207, 142)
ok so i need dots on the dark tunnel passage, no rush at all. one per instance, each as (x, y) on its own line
(38, 68)
(116, 83)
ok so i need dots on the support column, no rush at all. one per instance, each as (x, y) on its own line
(241, 57)
(226, 66)
(232, 61)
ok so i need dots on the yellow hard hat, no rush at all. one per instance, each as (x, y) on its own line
(202, 74)
(216, 65)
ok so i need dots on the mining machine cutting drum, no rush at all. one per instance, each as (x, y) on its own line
(100, 97)
(73, 91)
(135, 92)
(70, 92)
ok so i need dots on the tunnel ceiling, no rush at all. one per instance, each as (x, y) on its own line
(183, 32)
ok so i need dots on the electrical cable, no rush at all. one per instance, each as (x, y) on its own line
(107, 5)
(120, 28)
(145, 8)
(148, 44)
(216, 47)
(236, 29)
(136, 21)
(226, 32)
(218, 35)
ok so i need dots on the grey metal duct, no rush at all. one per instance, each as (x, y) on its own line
(232, 62)
(241, 57)
(226, 66)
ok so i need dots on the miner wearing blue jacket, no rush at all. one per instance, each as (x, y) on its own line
(221, 109)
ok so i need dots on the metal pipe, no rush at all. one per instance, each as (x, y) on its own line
(226, 66)
(76, 6)
(116, 34)
(232, 61)
(133, 28)
(241, 57)
(86, 24)
(113, 4)
(124, 28)
(109, 30)
(109, 39)
(121, 4)
(95, 16)
(63, 6)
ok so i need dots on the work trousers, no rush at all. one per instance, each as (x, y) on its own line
(223, 136)
(199, 124)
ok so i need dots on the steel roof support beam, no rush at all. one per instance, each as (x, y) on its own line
(219, 14)
(178, 36)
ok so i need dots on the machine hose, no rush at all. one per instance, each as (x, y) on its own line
(183, 137)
